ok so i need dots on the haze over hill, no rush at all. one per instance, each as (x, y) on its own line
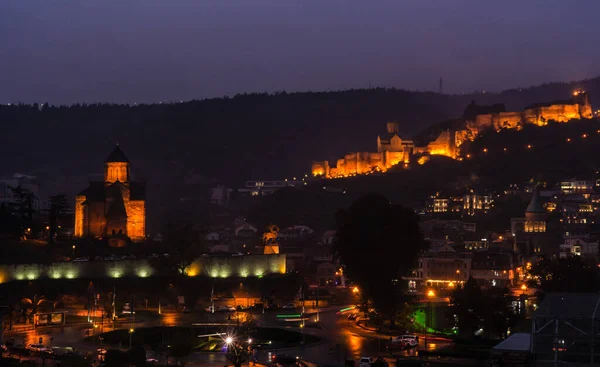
(185, 147)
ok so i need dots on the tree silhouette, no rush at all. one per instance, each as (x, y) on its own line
(570, 274)
(58, 206)
(466, 308)
(23, 206)
(237, 353)
(378, 243)
(180, 352)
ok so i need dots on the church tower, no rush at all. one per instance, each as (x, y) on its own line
(536, 239)
(116, 167)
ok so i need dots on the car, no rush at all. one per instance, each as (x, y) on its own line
(365, 362)
(81, 259)
(152, 361)
(352, 316)
(3, 348)
(210, 309)
(289, 306)
(227, 308)
(409, 340)
(101, 354)
(40, 348)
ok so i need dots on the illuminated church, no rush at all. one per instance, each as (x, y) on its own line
(115, 207)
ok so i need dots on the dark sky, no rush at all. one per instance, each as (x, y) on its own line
(170, 50)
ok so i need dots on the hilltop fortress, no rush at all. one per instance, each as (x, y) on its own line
(446, 138)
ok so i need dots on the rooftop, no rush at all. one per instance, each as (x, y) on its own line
(117, 155)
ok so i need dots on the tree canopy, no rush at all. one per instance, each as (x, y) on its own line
(570, 274)
(378, 243)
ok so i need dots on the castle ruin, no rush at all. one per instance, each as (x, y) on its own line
(392, 150)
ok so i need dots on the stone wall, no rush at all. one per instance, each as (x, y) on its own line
(136, 219)
(359, 163)
(79, 215)
(215, 267)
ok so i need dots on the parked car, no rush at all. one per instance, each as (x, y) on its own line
(365, 362)
(289, 306)
(38, 348)
(227, 308)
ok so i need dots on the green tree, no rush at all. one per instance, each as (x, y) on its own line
(378, 243)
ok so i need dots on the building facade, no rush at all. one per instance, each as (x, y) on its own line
(115, 207)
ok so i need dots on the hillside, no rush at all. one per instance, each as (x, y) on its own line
(186, 147)
(534, 153)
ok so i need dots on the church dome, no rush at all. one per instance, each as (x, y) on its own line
(535, 205)
(117, 155)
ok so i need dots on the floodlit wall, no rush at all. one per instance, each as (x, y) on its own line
(216, 267)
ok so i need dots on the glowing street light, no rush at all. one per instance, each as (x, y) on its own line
(355, 290)
(431, 294)
(130, 336)
(228, 340)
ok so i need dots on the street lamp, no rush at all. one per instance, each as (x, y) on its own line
(523, 288)
(430, 295)
(130, 336)
(228, 340)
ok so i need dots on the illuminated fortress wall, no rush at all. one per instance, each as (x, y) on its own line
(394, 150)
(215, 267)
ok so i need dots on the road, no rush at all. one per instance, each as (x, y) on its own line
(341, 339)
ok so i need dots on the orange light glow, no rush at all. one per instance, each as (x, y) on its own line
(468, 156)
(524, 287)
(355, 290)
(431, 294)
(505, 149)
(568, 140)
(528, 146)
(485, 150)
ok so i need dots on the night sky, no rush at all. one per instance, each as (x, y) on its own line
(170, 50)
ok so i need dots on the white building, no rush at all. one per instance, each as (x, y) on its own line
(579, 246)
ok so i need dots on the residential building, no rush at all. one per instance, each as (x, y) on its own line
(441, 267)
(493, 268)
(474, 203)
(579, 246)
(574, 185)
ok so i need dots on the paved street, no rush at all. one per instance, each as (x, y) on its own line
(340, 338)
